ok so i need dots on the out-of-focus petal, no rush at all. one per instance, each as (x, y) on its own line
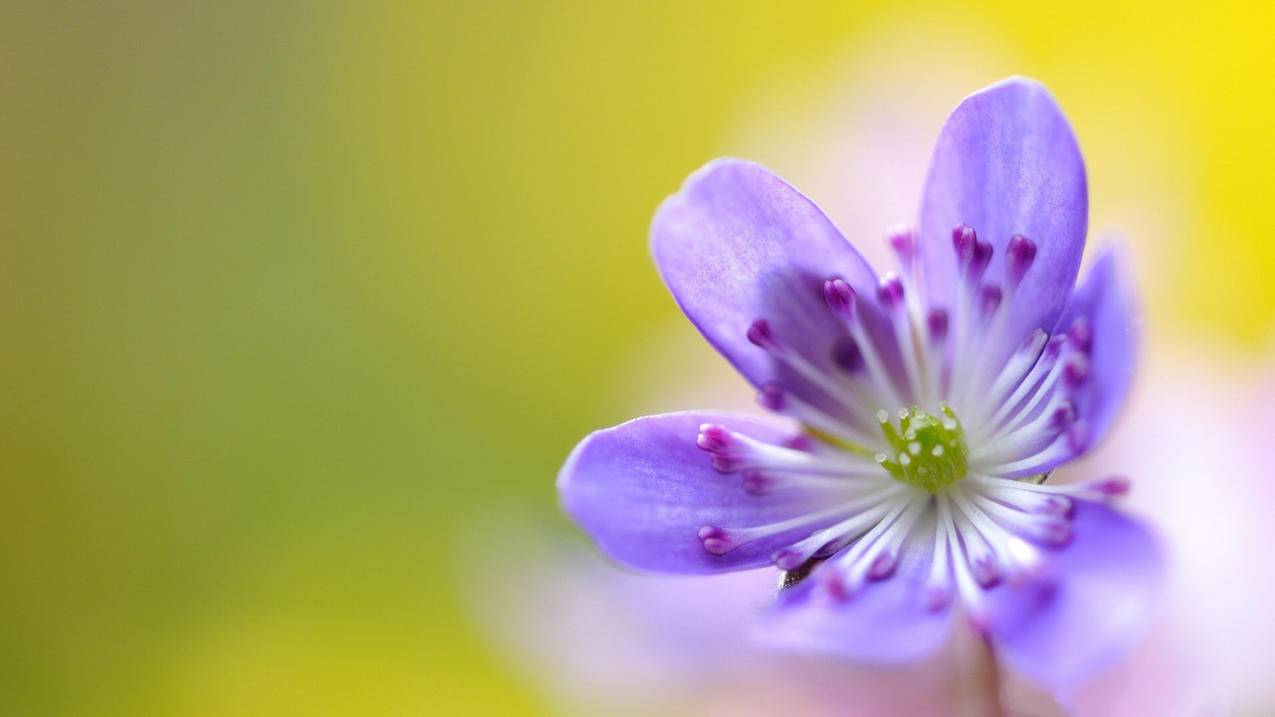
(885, 621)
(738, 244)
(643, 490)
(1105, 307)
(1007, 163)
(1092, 606)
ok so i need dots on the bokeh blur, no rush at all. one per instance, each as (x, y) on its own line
(305, 304)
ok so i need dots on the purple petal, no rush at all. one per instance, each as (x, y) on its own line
(738, 244)
(1091, 608)
(1007, 163)
(643, 491)
(1102, 314)
(884, 621)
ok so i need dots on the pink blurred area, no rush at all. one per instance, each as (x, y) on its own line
(1195, 440)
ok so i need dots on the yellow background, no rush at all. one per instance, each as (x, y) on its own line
(296, 296)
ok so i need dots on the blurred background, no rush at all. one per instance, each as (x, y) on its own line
(305, 304)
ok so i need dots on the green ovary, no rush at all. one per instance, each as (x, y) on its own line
(927, 451)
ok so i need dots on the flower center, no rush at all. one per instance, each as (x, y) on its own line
(926, 450)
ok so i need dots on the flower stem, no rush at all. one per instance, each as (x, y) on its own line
(981, 693)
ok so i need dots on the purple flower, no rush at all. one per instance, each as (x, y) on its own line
(920, 410)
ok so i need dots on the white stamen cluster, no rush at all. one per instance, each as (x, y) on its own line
(948, 449)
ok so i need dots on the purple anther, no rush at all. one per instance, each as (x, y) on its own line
(715, 540)
(1019, 256)
(835, 586)
(982, 256)
(839, 296)
(985, 571)
(883, 565)
(1063, 416)
(890, 289)
(936, 597)
(1033, 343)
(847, 355)
(1078, 436)
(1054, 505)
(800, 442)
(1076, 371)
(963, 240)
(903, 240)
(759, 334)
(937, 322)
(1054, 347)
(727, 463)
(789, 559)
(1081, 334)
(1113, 486)
(771, 397)
(713, 438)
(989, 299)
(1054, 531)
(758, 483)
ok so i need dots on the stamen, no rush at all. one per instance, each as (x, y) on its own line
(1015, 557)
(868, 511)
(903, 240)
(1011, 443)
(983, 563)
(849, 434)
(973, 256)
(937, 586)
(978, 263)
(937, 322)
(771, 397)
(890, 290)
(733, 452)
(883, 564)
(963, 240)
(989, 299)
(840, 297)
(1109, 487)
(1048, 529)
(864, 556)
(1064, 447)
(1018, 365)
(1038, 383)
(965, 583)
(851, 557)
(1076, 371)
(1019, 255)
(1081, 334)
(764, 482)
(759, 334)
(847, 355)
(1027, 500)
(890, 294)
(719, 541)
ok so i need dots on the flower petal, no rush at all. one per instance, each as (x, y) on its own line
(1105, 305)
(884, 621)
(1090, 608)
(738, 244)
(1007, 163)
(643, 490)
